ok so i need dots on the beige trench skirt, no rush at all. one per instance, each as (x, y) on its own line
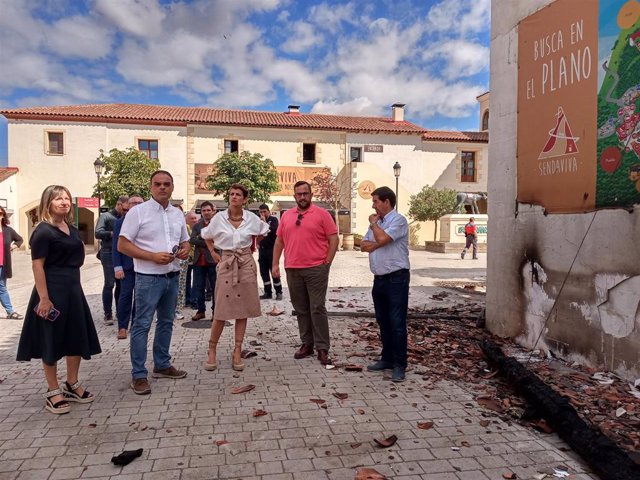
(237, 286)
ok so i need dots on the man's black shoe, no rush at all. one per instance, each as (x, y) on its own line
(266, 296)
(379, 366)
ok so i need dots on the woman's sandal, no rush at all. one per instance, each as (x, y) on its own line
(58, 408)
(238, 367)
(210, 367)
(15, 316)
(71, 396)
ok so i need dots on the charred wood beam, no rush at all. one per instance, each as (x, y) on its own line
(604, 456)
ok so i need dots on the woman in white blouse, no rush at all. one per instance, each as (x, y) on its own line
(233, 231)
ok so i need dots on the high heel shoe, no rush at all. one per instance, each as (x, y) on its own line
(210, 367)
(238, 367)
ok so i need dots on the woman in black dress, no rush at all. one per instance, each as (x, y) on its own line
(58, 322)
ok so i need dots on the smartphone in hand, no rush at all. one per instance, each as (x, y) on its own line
(51, 316)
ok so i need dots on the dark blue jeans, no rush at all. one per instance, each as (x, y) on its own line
(109, 281)
(391, 301)
(126, 306)
(200, 275)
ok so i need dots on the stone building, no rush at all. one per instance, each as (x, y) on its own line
(59, 145)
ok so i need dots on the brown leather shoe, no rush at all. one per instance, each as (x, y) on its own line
(304, 351)
(323, 356)
(171, 372)
(140, 386)
(198, 316)
(122, 334)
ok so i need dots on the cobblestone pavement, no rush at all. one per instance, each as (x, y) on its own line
(196, 428)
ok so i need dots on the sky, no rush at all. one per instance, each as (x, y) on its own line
(341, 57)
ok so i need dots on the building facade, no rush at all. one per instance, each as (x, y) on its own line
(59, 145)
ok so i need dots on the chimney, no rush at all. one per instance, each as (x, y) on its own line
(397, 112)
(294, 109)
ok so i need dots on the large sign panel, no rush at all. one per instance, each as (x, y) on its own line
(578, 85)
(287, 176)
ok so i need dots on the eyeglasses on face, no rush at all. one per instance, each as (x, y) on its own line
(300, 217)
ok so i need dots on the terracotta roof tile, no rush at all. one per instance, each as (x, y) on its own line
(6, 172)
(445, 136)
(133, 113)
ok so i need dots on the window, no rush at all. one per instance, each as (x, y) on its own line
(230, 146)
(468, 166)
(356, 154)
(485, 120)
(309, 152)
(55, 143)
(149, 148)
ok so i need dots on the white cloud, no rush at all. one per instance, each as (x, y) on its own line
(79, 37)
(330, 16)
(357, 106)
(462, 58)
(302, 38)
(462, 17)
(141, 18)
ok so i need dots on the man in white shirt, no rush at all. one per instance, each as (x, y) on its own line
(155, 235)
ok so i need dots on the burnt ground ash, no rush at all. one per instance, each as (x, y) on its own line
(444, 344)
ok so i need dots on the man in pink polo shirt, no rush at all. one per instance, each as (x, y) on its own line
(309, 238)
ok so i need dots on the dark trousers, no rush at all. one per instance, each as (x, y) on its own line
(265, 260)
(109, 282)
(188, 294)
(308, 292)
(200, 276)
(391, 301)
(126, 306)
(471, 240)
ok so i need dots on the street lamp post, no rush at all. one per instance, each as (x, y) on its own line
(98, 165)
(396, 173)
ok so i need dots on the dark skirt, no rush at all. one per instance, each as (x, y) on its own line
(71, 334)
(237, 286)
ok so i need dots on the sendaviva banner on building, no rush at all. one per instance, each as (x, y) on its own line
(579, 106)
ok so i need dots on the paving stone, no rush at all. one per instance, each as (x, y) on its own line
(179, 424)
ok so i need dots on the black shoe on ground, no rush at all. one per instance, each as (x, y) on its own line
(266, 296)
(397, 375)
(379, 366)
(108, 319)
(278, 296)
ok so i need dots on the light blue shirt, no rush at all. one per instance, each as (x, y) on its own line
(395, 255)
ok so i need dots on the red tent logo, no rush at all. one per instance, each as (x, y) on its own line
(561, 140)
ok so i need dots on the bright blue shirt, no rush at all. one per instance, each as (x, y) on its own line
(395, 255)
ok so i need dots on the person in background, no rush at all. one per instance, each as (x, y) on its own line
(387, 243)
(204, 266)
(8, 241)
(184, 282)
(265, 255)
(309, 238)
(233, 231)
(154, 234)
(124, 273)
(58, 321)
(471, 236)
(104, 233)
(189, 298)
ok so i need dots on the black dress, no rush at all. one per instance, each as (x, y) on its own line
(73, 332)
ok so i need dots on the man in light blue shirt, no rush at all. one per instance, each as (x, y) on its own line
(387, 242)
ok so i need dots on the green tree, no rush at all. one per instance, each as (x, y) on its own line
(252, 170)
(430, 204)
(333, 189)
(125, 172)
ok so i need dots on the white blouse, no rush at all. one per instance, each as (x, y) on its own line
(226, 237)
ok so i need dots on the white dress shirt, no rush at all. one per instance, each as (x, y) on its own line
(226, 237)
(154, 228)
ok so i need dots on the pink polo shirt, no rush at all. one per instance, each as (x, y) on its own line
(306, 245)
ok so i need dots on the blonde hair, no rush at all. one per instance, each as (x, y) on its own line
(48, 196)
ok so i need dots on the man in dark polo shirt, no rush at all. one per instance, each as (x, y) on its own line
(204, 266)
(265, 255)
